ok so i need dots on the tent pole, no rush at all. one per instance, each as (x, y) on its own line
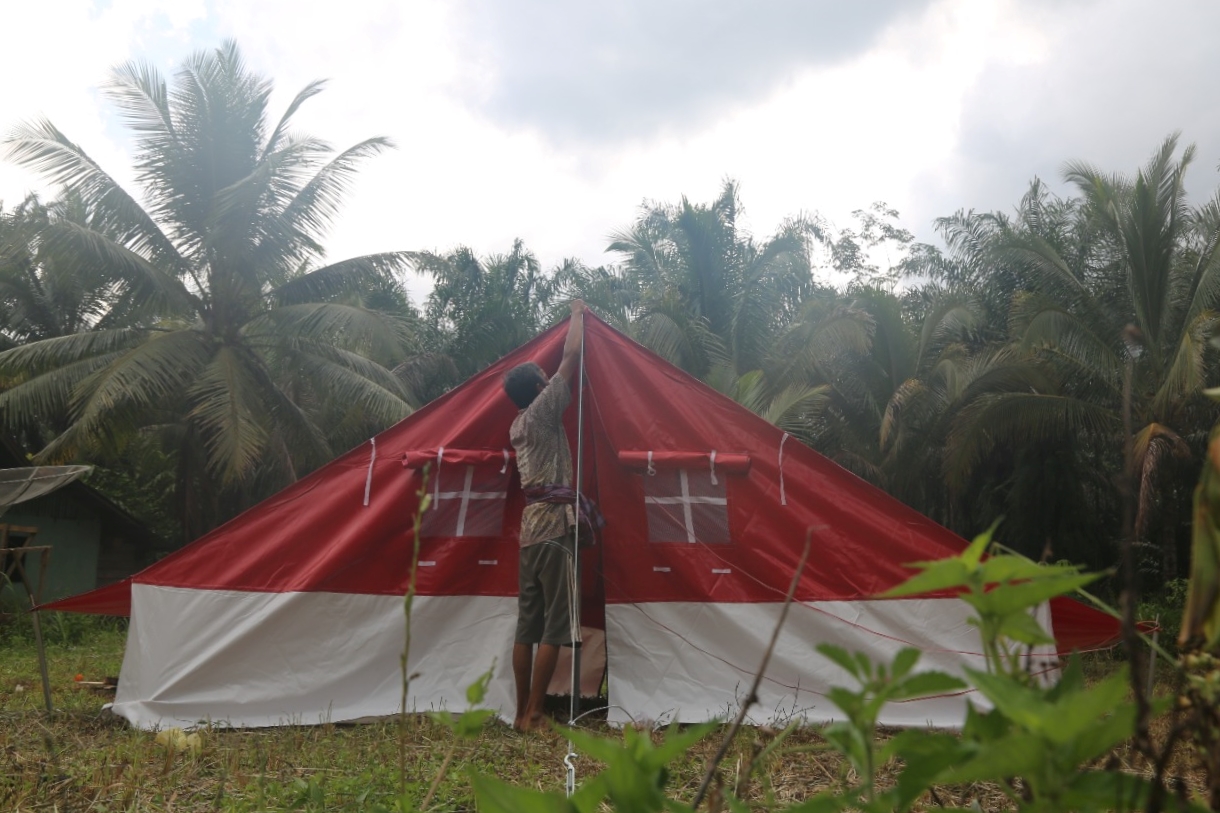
(574, 707)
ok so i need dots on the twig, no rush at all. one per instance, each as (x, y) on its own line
(752, 696)
(436, 781)
(408, 600)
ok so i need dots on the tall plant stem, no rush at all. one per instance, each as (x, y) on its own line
(424, 500)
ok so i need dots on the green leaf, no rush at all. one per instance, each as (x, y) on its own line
(602, 749)
(494, 796)
(904, 661)
(825, 802)
(470, 724)
(1020, 703)
(849, 702)
(1102, 736)
(985, 726)
(1024, 628)
(476, 691)
(1005, 568)
(1016, 754)
(936, 576)
(1074, 714)
(1011, 598)
(678, 741)
(1105, 790)
(926, 683)
(444, 718)
(841, 657)
(926, 755)
(973, 554)
(1070, 680)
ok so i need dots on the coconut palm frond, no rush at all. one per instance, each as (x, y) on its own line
(140, 92)
(912, 404)
(1061, 333)
(49, 395)
(229, 410)
(145, 281)
(36, 358)
(1014, 419)
(281, 128)
(952, 319)
(797, 405)
(142, 376)
(1204, 292)
(303, 220)
(1188, 370)
(341, 278)
(357, 363)
(385, 405)
(41, 147)
(1151, 449)
(378, 334)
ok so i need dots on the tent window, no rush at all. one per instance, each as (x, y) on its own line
(686, 506)
(467, 501)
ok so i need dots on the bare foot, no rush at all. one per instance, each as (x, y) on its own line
(536, 722)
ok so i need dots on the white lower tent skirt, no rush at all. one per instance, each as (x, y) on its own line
(688, 662)
(248, 659)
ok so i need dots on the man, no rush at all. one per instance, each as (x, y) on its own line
(548, 603)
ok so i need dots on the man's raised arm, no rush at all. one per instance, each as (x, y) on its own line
(576, 336)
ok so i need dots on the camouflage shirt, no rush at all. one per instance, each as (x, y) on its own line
(543, 458)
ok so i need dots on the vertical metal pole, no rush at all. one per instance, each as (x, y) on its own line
(574, 708)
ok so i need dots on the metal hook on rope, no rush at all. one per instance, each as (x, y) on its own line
(570, 781)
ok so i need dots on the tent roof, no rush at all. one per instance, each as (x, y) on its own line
(346, 528)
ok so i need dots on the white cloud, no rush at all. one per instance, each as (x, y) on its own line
(956, 106)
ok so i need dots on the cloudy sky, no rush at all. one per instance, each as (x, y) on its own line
(553, 120)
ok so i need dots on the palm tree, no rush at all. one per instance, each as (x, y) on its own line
(478, 310)
(43, 295)
(239, 333)
(708, 293)
(1117, 314)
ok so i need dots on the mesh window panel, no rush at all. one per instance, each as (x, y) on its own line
(686, 506)
(470, 503)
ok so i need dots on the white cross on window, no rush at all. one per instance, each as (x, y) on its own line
(703, 505)
(476, 514)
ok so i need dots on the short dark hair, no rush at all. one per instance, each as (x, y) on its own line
(521, 383)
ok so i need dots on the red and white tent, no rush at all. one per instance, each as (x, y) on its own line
(293, 611)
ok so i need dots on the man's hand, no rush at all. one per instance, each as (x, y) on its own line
(576, 335)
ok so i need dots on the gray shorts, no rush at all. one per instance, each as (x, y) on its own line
(545, 582)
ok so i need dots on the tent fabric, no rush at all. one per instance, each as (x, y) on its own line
(708, 507)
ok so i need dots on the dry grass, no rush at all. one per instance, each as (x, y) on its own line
(84, 759)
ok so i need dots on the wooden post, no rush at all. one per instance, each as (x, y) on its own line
(34, 594)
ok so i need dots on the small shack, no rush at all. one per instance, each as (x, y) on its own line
(93, 541)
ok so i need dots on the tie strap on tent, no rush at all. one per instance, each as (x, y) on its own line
(783, 498)
(436, 481)
(649, 461)
(418, 458)
(368, 480)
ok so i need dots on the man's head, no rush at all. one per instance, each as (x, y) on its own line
(523, 383)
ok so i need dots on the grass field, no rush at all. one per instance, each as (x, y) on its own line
(84, 759)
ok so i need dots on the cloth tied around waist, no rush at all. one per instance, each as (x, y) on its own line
(588, 515)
